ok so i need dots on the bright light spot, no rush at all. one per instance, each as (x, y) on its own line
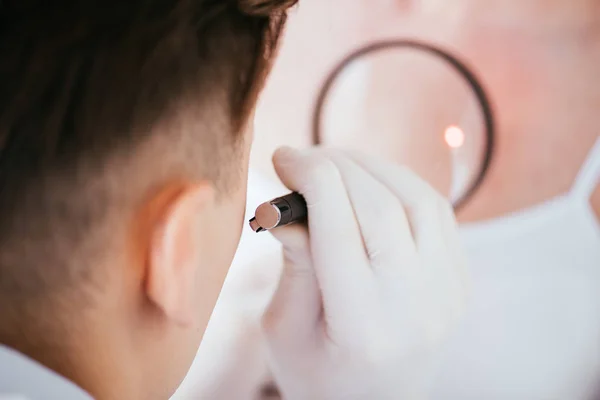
(454, 136)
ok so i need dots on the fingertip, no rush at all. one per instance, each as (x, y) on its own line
(285, 155)
(286, 161)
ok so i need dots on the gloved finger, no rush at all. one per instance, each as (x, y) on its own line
(458, 284)
(440, 268)
(427, 212)
(381, 217)
(455, 248)
(338, 254)
(295, 308)
(433, 225)
(439, 250)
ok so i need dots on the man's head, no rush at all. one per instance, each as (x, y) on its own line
(124, 140)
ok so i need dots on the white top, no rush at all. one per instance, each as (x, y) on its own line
(532, 327)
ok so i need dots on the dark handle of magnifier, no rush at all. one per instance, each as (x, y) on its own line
(278, 212)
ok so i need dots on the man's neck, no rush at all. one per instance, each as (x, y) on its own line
(87, 363)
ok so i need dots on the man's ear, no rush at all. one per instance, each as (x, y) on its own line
(174, 255)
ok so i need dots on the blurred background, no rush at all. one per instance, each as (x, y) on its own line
(536, 60)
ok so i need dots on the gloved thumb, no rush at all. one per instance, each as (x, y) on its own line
(290, 165)
(295, 306)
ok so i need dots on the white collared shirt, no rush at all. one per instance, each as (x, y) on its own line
(22, 378)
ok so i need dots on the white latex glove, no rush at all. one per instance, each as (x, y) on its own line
(370, 289)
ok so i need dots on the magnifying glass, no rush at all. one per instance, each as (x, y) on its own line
(411, 103)
(415, 104)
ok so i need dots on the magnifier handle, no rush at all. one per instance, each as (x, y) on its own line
(279, 212)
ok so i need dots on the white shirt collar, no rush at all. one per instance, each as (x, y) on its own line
(25, 379)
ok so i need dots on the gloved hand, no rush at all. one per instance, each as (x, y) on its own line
(370, 287)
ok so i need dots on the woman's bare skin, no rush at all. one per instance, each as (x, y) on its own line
(536, 58)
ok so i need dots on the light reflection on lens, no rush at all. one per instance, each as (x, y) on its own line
(455, 137)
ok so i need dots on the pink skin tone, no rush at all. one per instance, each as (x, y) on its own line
(517, 48)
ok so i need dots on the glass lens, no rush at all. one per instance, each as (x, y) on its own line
(410, 107)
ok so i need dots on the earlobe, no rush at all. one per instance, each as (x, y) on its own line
(174, 255)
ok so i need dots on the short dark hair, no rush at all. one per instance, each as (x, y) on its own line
(84, 84)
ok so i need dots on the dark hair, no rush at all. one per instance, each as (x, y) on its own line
(84, 84)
